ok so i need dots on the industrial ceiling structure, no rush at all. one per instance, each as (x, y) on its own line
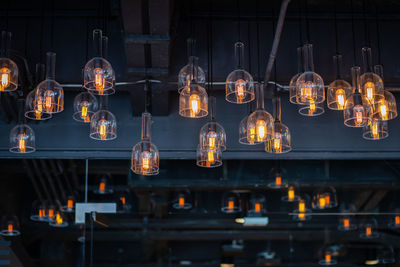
(120, 194)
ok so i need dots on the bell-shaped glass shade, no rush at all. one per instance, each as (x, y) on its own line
(257, 205)
(104, 185)
(327, 258)
(324, 198)
(280, 142)
(231, 203)
(302, 212)
(312, 109)
(395, 220)
(103, 126)
(346, 223)
(58, 220)
(123, 200)
(385, 108)
(22, 139)
(182, 201)
(369, 229)
(85, 105)
(50, 210)
(38, 211)
(375, 129)
(309, 85)
(70, 205)
(34, 109)
(145, 158)
(208, 158)
(243, 133)
(290, 195)
(8, 75)
(292, 83)
(371, 83)
(278, 178)
(212, 136)
(193, 101)
(191, 72)
(337, 93)
(10, 226)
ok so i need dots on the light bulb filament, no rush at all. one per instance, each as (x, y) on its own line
(397, 220)
(99, 80)
(291, 194)
(312, 107)
(10, 228)
(210, 157)
(5, 78)
(383, 108)
(322, 203)
(302, 206)
(278, 144)
(278, 181)
(251, 135)
(375, 130)
(359, 115)
(261, 130)
(145, 163)
(102, 187)
(194, 105)
(340, 98)
(59, 219)
(240, 90)
(370, 90)
(70, 204)
(22, 143)
(103, 131)
(181, 202)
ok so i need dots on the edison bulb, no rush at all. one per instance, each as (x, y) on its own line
(340, 98)
(4, 78)
(211, 138)
(306, 91)
(359, 114)
(49, 100)
(99, 80)
(102, 129)
(251, 136)
(22, 143)
(194, 104)
(240, 90)
(210, 157)
(278, 142)
(39, 108)
(146, 160)
(312, 108)
(261, 130)
(369, 89)
(383, 109)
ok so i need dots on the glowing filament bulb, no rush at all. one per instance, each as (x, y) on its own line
(368, 231)
(375, 130)
(102, 129)
(211, 140)
(123, 200)
(84, 110)
(70, 204)
(240, 90)
(306, 91)
(10, 228)
(359, 115)
(257, 207)
(340, 98)
(346, 223)
(5, 78)
(59, 219)
(251, 136)
(210, 157)
(369, 90)
(328, 257)
(22, 143)
(181, 201)
(42, 213)
(278, 181)
(278, 143)
(49, 100)
(231, 205)
(302, 206)
(291, 194)
(99, 80)
(322, 203)
(51, 213)
(261, 130)
(383, 109)
(397, 220)
(194, 104)
(301, 216)
(312, 107)
(146, 157)
(102, 187)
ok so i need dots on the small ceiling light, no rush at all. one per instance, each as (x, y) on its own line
(22, 137)
(324, 198)
(208, 158)
(182, 201)
(231, 203)
(260, 124)
(38, 212)
(191, 71)
(346, 224)
(123, 201)
(10, 226)
(257, 205)
(309, 85)
(327, 259)
(368, 228)
(302, 212)
(104, 186)
(85, 105)
(58, 220)
(99, 76)
(371, 83)
(291, 195)
(339, 89)
(145, 156)
(292, 83)
(278, 176)
(357, 108)
(281, 140)
(239, 83)
(375, 129)
(70, 205)
(312, 109)
(8, 68)
(103, 124)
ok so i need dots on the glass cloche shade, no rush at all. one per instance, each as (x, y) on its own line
(239, 84)
(243, 128)
(10, 226)
(104, 185)
(208, 158)
(346, 224)
(385, 108)
(324, 198)
(38, 211)
(357, 108)
(231, 203)
(339, 89)
(375, 129)
(98, 74)
(192, 71)
(212, 134)
(371, 83)
(291, 195)
(193, 101)
(368, 229)
(278, 177)
(33, 109)
(309, 85)
(103, 124)
(70, 205)
(85, 105)
(281, 141)
(49, 94)
(58, 220)
(257, 204)
(302, 213)
(327, 258)
(260, 124)
(145, 158)
(8, 68)
(292, 83)
(22, 137)
(182, 201)
(312, 109)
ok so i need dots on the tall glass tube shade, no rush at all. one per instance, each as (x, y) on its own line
(103, 124)
(292, 83)
(85, 105)
(98, 74)
(145, 158)
(260, 124)
(22, 137)
(49, 94)
(357, 108)
(338, 90)
(8, 68)
(371, 83)
(309, 85)
(239, 84)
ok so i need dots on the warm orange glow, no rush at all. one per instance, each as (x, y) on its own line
(194, 105)
(278, 181)
(340, 98)
(383, 109)
(375, 130)
(49, 103)
(10, 228)
(322, 202)
(358, 113)
(278, 143)
(327, 200)
(99, 80)
(84, 112)
(51, 213)
(369, 90)
(21, 143)
(123, 200)
(368, 231)
(240, 90)
(59, 219)
(291, 194)
(328, 257)
(231, 205)
(102, 187)
(5, 78)
(346, 223)
(252, 135)
(301, 216)
(210, 157)
(70, 204)
(257, 207)
(145, 160)
(42, 213)
(302, 206)
(38, 115)
(181, 201)
(397, 220)
(306, 91)
(211, 140)
(312, 107)
(261, 130)
(102, 129)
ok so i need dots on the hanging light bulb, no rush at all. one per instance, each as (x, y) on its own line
(309, 85)
(327, 258)
(99, 76)
(375, 129)
(312, 109)
(85, 105)
(281, 141)
(257, 205)
(292, 83)
(346, 224)
(49, 94)
(10, 226)
(22, 137)
(291, 195)
(302, 213)
(58, 220)
(277, 175)
(8, 68)
(145, 157)
(104, 185)
(339, 89)
(38, 212)
(103, 124)
(70, 205)
(182, 201)
(357, 108)
(371, 83)
(260, 126)
(124, 202)
(395, 221)
(231, 203)
(208, 158)
(239, 83)
(324, 198)
(368, 229)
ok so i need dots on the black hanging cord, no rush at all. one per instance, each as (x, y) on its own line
(87, 41)
(258, 41)
(52, 25)
(6, 15)
(300, 24)
(42, 33)
(249, 44)
(209, 49)
(366, 26)
(353, 32)
(307, 22)
(273, 31)
(238, 18)
(336, 30)
(378, 34)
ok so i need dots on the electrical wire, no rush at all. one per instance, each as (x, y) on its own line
(307, 22)
(258, 41)
(238, 18)
(378, 34)
(336, 30)
(353, 33)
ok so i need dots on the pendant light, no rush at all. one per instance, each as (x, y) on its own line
(182, 201)
(49, 94)
(231, 203)
(338, 90)
(368, 227)
(375, 129)
(292, 83)
(8, 68)
(103, 125)
(243, 128)
(327, 258)
(324, 198)
(291, 195)
(346, 224)
(278, 177)
(22, 137)
(312, 109)
(10, 226)
(99, 76)
(357, 108)
(260, 124)
(85, 105)
(239, 83)
(104, 185)
(395, 220)
(38, 211)
(70, 205)
(257, 204)
(302, 212)
(58, 220)
(33, 109)
(123, 200)
(371, 83)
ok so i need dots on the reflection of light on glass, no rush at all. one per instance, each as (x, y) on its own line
(181, 201)
(99, 80)
(291, 194)
(240, 90)
(5, 78)
(278, 180)
(368, 231)
(312, 107)
(261, 128)
(70, 204)
(194, 104)
(102, 187)
(359, 114)
(340, 98)
(370, 90)
(322, 202)
(22, 143)
(231, 205)
(257, 207)
(383, 109)
(397, 220)
(346, 223)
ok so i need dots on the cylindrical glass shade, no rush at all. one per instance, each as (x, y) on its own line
(8, 68)
(10, 226)
(33, 109)
(85, 105)
(346, 224)
(309, 85)
(278, 178)
(375, 129)
(257, 205)
(59, 220)
(324, 198)
(208, 158)
(302, 212)
(371, 83)
(212, 136)
(182, 201)
(191, 72)
(339, 89)
(22, 139)
(281, 141)
(193, 102)
(70, 205)
(103, 126)
(312, 109)
(368, 229)
(291, 195)
(104, 185)
(292, 83)
(49, 95)
(243, 133)
(38, 211)
(327, 258)
(231, 203)
(385, 108)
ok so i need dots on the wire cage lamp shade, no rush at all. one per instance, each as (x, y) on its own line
(338, 90)
(8, 68)
(85, 105)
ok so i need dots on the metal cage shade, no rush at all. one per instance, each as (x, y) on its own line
(375, 129)
(49, 97)
(208, 158)
(212, 136)
(337, 93)
(22, 139)
(8, 75)
(99, 77)
(32, 110)
(239, 87)
(103, 126)
(281, 141)
(231, 203)
(10, 226)
(145, 158)
(193, 102)
(85, 105)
